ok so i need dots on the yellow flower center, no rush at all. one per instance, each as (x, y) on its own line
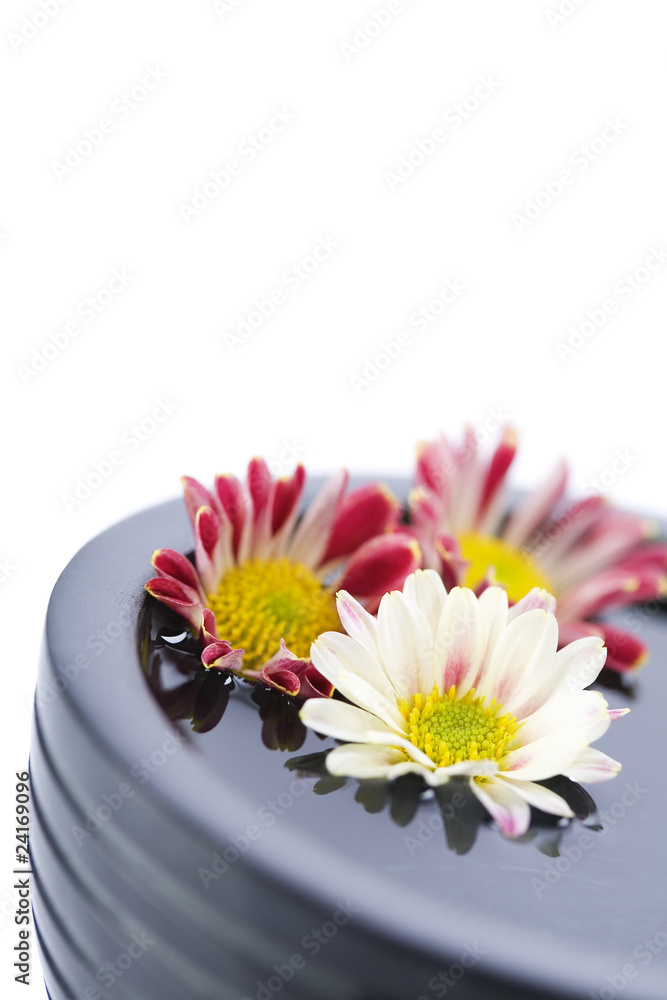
(513, 569)
(261, 602)
(449, 731)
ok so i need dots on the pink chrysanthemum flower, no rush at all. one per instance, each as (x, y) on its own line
(589, 555)
(263, 581)
(460, 686)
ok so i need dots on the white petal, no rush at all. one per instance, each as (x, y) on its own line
(509, 809)
(525, 649)
(344, 722)
(406, 645)
(357, 690)
(426, 589)
(572, 669)
(357, 622)
(364, 760)
(535, 598)
(555, 752)
(592, 765)
(493, 609)
(585, 713)
(464, 769)
(459, 643)
(540, 797)
(311, 537)
(334, 653)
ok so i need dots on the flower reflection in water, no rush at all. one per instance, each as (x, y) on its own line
(452, 807)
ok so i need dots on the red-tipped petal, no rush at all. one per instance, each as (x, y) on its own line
(259, 484)
(536, 507)
(453, 565)
(221, 656)
(286, 498)
(314, 685)
(184, 600)
(208, 629)
(174, 565)
(310, 538)
(236, 505)
(282, 680)
(380, 565)
(625, 652)
(366, 512)
(208, 530)
(435, 464)
(498, 466)
(196, 496)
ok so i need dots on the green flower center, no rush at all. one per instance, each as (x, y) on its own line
(263, 601)
(449, 731)
(513, 569)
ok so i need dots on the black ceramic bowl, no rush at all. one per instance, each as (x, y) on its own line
(175, 864)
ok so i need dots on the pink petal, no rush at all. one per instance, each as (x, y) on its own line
(286, 499)
(510, 811)
(174, 565)
(452, 564)
(221, 656)
(208, 629)
(380, 565)
(625, 652)
(366, 512)
(184, 600)
(237, 506)
(536, 507)
(497, 472)
(435, 464)
(592, 766)
(196, 496)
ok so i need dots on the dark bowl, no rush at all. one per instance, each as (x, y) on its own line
(176, 864)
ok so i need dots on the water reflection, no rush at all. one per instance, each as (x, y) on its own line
(453, 807)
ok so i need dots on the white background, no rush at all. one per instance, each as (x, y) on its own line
(357, 104)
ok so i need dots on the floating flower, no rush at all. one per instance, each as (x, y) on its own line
(263, 581)
(456, 685)
(591, 556)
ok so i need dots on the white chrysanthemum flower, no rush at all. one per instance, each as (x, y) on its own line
(456, 685)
